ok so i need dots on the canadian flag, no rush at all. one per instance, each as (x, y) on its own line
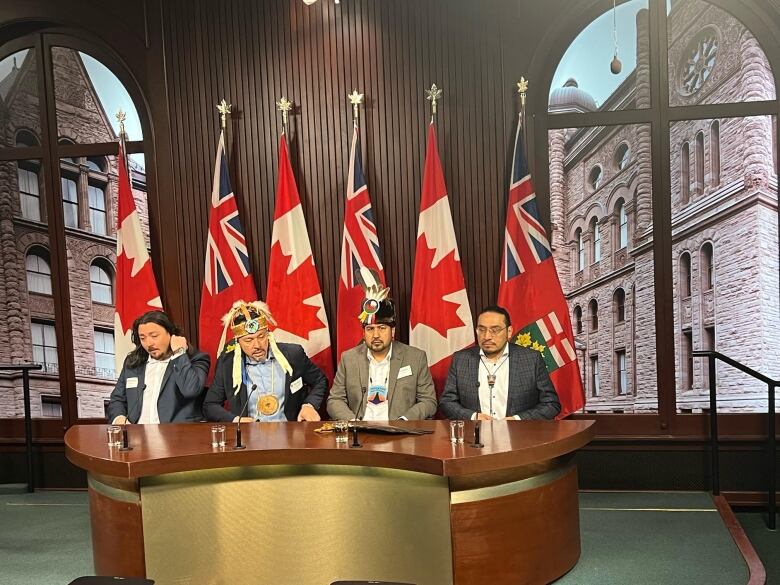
(136, 288)
(359, 247)
(294, 295)
(440, 321)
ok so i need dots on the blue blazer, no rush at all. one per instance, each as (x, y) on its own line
(181, 392)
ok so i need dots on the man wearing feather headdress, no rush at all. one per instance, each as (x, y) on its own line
(381, 379)
(262, 380)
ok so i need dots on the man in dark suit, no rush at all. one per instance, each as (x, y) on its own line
(162, 379)
(498, 379)
(262, 380)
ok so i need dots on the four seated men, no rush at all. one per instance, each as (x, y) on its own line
(381, 379)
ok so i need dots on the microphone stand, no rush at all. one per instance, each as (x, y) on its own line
(239, 445)
(477, 444)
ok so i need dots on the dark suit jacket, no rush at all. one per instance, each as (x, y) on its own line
(181, 392)
(315, 385)
(413, 396)
(531, 393)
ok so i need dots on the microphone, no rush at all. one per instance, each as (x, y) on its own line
(238, 422)
(361, 404)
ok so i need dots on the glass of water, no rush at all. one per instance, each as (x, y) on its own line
(457, 428)
(341, 429)
(217, 436)
(114, 436)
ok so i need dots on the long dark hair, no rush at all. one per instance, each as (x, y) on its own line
(139, 355)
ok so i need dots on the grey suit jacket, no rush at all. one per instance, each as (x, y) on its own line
(531, 393)
(413, 397)
(181, 392)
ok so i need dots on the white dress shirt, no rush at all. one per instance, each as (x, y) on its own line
(378, 384)
(493, 401)
(153, 376)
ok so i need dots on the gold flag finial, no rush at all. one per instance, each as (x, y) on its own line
(224, 109)
(284, 106)
(355, 99)
(121, 117)
(433, 95)
(522, 88)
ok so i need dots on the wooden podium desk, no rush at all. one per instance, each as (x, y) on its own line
(295, 508)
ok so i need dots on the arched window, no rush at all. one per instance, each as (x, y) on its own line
(593, 307)
(578, 319)
(685, 275)
(622, 156)
(96, 163)
(595, 237)
(580, 250)
(685, 173)
(101, 282)
(619, 305)
(622, 217)
(707, 267)
(698, 187)
(595, 177)
(715, 153)
(38, 271)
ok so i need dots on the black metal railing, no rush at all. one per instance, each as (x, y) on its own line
(25, 370)
(771, 441)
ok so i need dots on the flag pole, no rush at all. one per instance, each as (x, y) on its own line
(355, 99)
(433, 95)
(284, 106)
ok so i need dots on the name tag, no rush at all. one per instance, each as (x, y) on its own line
(131, 383)
(296, 385)
(405, 371)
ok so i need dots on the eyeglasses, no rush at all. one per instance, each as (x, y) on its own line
(495, 330)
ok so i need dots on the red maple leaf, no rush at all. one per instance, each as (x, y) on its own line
(433, 284)
(137, 291)
(286, 293)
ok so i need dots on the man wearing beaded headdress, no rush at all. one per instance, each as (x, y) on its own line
(262, 380)
(381, 379)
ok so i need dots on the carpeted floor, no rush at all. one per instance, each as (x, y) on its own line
(636, 537)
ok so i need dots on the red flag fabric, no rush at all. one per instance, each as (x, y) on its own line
(228, 276)
(294, 295)
(359, 247)
(440, 321)
(136, 287)
(530, 289)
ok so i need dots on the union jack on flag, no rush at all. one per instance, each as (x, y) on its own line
(526, 240)
(227, 276)
(225, 227)
(359, 247)
(530, 290)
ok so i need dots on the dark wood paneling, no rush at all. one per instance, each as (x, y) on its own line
(252, 53)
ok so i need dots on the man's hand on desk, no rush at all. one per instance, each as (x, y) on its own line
(308, 412)
(483, 416)
(119, 420)
(243, 419)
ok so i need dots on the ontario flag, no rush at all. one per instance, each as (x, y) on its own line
(294, 294)
(228, 277)
(136, 288)
(530, 290)
(359, 247)
(440, 321)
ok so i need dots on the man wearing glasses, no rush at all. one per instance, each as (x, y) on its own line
(498, 379)
(381, 379)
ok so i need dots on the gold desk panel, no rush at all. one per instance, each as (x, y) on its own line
(296, 525)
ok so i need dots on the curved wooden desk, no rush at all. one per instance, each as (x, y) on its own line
(296, 508)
